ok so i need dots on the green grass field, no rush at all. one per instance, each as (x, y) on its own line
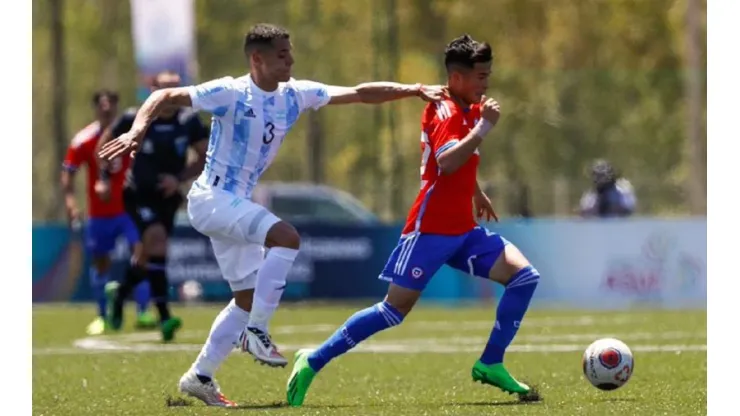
(420, 368)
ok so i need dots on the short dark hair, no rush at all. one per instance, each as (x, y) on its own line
(112, 96)
(262, 35)
(465, 52)
(172, 72)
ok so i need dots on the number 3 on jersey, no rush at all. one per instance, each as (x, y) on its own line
(269, 134)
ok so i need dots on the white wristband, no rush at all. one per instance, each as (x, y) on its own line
(482, 128)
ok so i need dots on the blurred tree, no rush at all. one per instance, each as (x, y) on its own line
(576, 79)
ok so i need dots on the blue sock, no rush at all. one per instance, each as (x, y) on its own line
(98, 282)
(509, 314)
(142, 296)
(358, 328)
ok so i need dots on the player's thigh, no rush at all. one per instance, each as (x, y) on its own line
(238, 262)
(166, 211)
(222, 215)
(488, 255)
(143, 214)
(154, 219)
(417, 257)
(126, 227)
(509, 263)
(100, 240)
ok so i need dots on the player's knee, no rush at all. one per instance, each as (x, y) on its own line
(243, 299)
(155, 240)
(508, 264)
(283, 234)
(402, 299)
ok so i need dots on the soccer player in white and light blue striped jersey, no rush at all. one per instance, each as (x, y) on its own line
(251, 116)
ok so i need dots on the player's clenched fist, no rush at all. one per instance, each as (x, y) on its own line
(490, 110)
(121, 146)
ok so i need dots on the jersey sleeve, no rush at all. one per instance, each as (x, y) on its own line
(215, 96)
(445, 131)
(311, 94)
(74, 158)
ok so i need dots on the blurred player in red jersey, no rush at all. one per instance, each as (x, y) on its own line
(442, 229)
(107, 218)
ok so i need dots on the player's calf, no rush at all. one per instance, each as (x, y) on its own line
(154, 240)
(358, 328)
(284, 242)
(520, 279)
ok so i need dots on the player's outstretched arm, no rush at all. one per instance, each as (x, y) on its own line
(381, 92)
(148, 112)
(156, 102)
(451, 159)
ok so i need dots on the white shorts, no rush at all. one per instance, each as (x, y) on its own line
(237, 228)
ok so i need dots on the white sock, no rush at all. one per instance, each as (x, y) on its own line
(270, 285)
(225, 331)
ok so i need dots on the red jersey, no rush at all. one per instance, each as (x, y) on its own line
(82, 151)
(445, 202)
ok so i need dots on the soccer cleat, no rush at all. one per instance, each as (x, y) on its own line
(300, 379)
(145, 320)
(208, 392)
(111, 289)
(169, 327)
(496, 375)
(260, 345)
(97, 327)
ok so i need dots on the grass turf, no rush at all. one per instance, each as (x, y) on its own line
(420, 368)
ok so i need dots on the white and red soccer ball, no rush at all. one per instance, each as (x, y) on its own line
(608, 363)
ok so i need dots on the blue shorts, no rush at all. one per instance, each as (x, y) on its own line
(418, 256)
(102, 233)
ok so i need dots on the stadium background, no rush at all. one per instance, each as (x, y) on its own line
(577, 80)
(622, 80)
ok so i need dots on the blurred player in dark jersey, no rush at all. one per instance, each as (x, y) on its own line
(442, 229)
(107, 218)
(152, 194)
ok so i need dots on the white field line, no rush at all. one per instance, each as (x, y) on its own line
(149, 342)
(97, 346)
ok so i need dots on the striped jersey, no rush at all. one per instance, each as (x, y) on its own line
(248, 126)
(445, 202)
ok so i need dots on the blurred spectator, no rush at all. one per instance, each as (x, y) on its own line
(611, 195)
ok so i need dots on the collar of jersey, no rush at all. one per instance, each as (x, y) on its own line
(256, 87)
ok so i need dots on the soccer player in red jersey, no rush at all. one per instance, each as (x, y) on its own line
(107, 218)
(442, 229)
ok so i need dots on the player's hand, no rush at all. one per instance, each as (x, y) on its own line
(490, 110)
(102, 190)
(168, 184)
(138, 259)
(74, 218)
(430, 93)
(483, 207)
(123, 145)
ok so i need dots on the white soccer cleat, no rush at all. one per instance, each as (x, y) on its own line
(259, 344)
(209, 393)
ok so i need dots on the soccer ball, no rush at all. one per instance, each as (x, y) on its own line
(608, 363)
(191, 291)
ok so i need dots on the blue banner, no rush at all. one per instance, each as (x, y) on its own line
(592, 264)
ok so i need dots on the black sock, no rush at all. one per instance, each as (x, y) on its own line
(157, 275)
(134, 275)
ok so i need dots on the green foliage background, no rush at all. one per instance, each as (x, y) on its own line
(577, 79)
